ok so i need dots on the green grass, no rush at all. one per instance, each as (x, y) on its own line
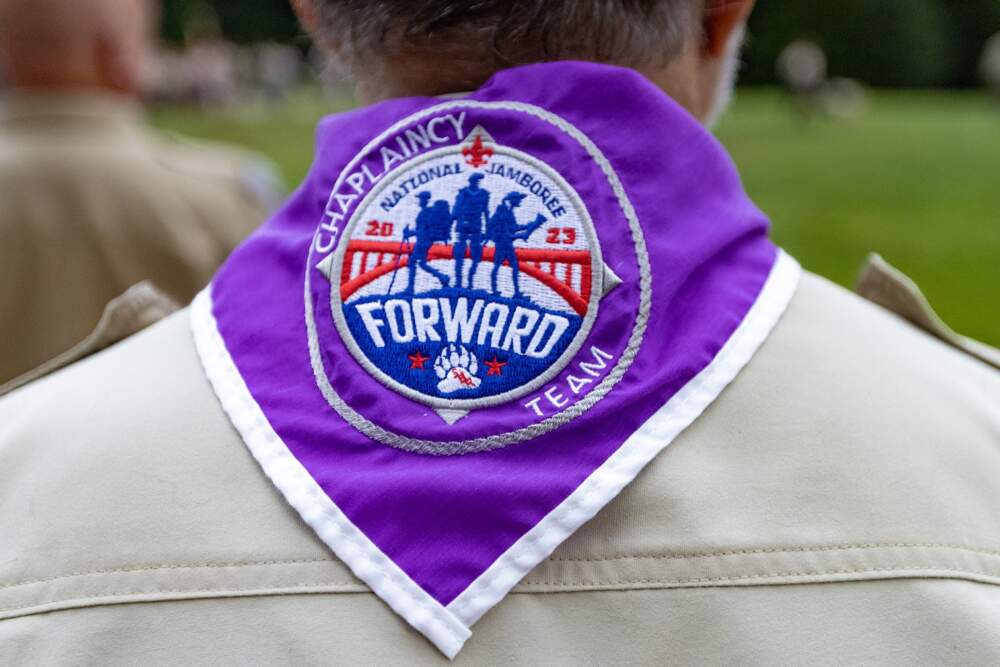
(284, 133)
(917, 179)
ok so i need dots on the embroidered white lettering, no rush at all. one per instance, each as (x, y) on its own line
(345, 201)
(432, 129)
(436, 319)
(432, 132)
(325, 244)
(490, 328)
(576, 384)
(356, 180)
(458, 123)
(367, 312)
(397, 313)
(600, 357)
(555, 398)
(521, 325)
(425, 316)
(533, 404)
(418, 137)
(540, 346)
(389, 158)
(371, 177)
(461, 323)
(403, 148)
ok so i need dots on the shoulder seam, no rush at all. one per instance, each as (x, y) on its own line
(991, 577)
(319, 587)
(158, 567)
(555, 559)
(781, 550)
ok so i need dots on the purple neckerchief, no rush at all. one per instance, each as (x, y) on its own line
(479, 318)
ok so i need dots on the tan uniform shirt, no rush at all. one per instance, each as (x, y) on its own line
(91, 203)
(837, 505)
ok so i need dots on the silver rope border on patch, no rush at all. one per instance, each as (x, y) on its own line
(596, 289)
(496, 441)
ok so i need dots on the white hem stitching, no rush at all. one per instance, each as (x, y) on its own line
(621, 468)
(302, 492)
(448, 627)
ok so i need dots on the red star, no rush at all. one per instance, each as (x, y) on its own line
(417, 360)
(495, 366)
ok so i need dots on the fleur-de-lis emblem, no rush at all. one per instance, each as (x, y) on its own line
(477, 155)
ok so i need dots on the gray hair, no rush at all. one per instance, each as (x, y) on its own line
(500, 33)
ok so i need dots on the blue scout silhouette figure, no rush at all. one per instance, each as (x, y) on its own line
(503, 229)
(433, 225)
(471, 212)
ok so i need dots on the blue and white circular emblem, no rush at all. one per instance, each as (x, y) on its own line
(467, 277)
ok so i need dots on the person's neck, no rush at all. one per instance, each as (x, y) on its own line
(68, 84)
(75, 101)
(395, 78)
(431, 78)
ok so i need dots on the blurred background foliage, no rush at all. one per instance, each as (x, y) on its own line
(911, 173)
(917, 43)
(242, 21)
(881, 42)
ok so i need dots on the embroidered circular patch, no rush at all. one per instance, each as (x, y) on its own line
(468, 277)
(459, 289)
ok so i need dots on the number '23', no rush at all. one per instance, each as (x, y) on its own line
(564, 235)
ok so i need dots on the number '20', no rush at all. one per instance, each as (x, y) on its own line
(376, 228)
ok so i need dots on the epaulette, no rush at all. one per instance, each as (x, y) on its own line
(885, 285)
(141, 305)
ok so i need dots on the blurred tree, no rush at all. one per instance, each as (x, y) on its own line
(880, 42)
(172, 21)
(257, 21)
(883, 43)
(260, 20)
(973, 23)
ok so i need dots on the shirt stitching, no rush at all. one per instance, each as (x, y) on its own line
(622, 582)
(689, 556)
(778, 575)
(778, 550)
(184, 566)
(275, 590)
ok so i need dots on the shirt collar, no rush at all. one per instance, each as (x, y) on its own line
(84, 107)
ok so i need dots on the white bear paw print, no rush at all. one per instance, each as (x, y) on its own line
(457, 368)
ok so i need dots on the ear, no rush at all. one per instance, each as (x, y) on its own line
(309, 18)
(306, 11)
(116, 72)
(720, 19)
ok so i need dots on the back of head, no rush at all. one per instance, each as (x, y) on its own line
(502, 32)
(476, 38)
(73, 44)
(431, 47)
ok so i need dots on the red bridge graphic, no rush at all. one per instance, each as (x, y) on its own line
(565, 272)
